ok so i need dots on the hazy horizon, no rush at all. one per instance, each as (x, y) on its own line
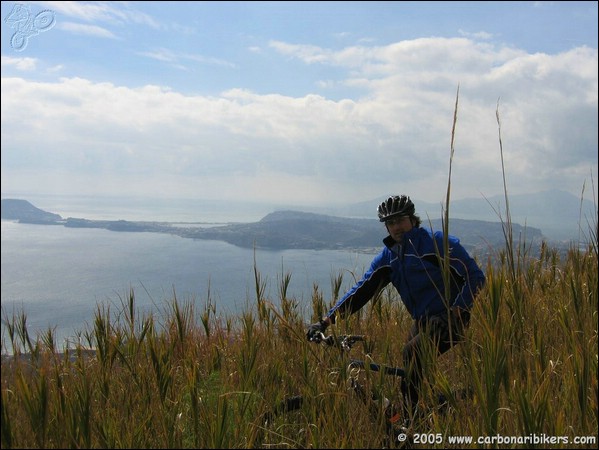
(558, 214)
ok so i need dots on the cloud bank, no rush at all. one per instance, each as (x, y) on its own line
(392, 134)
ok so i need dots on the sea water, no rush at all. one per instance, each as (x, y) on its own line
(58, 276)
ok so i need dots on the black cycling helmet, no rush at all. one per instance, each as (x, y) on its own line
(396, 206)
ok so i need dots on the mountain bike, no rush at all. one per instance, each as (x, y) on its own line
(359, 382)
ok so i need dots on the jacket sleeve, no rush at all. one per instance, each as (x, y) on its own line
(467, 268)
(376, 278)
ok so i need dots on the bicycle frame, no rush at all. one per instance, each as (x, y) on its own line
(345, 343)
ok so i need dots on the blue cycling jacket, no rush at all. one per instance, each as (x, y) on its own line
(414, 268)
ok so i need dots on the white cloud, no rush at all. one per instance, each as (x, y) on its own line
(24, 64)
(166, 55)
(307, 53)
(80, 135)
(89, 30)
(55, 69)
(482, 35)
(101, 11)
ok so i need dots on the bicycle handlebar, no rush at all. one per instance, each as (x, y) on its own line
(344, 341)
(395, 371)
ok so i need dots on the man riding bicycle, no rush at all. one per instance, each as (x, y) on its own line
(412, 260)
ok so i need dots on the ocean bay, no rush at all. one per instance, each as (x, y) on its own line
(58, 276)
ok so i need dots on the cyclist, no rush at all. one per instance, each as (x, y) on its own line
(412, 259)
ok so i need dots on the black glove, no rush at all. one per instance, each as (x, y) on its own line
(315, 330)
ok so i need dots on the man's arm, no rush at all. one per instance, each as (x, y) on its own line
(376, 278)
(474, 278)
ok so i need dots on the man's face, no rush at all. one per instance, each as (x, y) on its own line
(398, 226)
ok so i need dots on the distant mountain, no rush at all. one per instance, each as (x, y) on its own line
(299, 230)
(558, 214)
(294, 230)
(23, 211)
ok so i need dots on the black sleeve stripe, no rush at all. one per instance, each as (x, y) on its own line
(364, 291)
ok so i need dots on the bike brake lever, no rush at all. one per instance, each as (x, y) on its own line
(318, 338)
(347, 343)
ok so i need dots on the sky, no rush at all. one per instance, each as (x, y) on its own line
(298, 103)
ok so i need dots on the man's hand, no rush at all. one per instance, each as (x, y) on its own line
(315, 330)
